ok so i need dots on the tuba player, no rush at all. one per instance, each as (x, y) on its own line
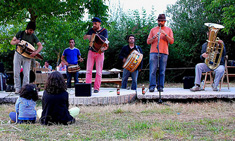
(202, 67)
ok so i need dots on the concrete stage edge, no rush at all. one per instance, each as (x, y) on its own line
(108, 96)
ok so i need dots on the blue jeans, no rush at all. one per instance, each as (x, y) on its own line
(134, 76)
(69, 78)
(14, 117)
(153, 66)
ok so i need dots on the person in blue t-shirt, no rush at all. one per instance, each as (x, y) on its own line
(72, 55)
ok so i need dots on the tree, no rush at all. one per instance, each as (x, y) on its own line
(57, 21)
(67, 9)
(223, 12)
(189, 32)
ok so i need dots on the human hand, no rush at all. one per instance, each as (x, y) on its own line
(124, 60)
(205, 55)
(66, 63)
(17, 41)
(163, 32)
(81, 59)
(33, 54)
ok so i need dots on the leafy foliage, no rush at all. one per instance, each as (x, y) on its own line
(59, 20)
(188, 18)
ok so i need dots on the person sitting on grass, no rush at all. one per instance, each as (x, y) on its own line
(55, 102)
(25, 105)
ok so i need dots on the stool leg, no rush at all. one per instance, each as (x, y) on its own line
(221, 82)
(205, 81)
(227, 77)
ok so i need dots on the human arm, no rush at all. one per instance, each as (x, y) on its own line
(123, 54)
(87, 37)
(141, 64)
(80, 59)
(39, 44)
(152, 36)
(49, 68)
(14, 41)
(62, 59)
(203, 52)
(169, 36)
(17, 106)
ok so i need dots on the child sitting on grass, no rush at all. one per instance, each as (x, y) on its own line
(55, 102)
(25, 105)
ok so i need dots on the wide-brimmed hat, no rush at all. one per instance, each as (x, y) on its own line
(161, 17)
(96, 19)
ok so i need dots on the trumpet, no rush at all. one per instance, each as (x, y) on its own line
(214, 49)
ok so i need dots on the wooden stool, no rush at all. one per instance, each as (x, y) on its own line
(221, 80)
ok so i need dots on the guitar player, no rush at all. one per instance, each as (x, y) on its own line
(19, 60)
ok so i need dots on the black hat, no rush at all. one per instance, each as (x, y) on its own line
(96, 19)
(161, 17)
(31, 25)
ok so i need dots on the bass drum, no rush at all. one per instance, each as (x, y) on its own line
(32, 76)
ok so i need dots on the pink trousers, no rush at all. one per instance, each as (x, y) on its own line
(98, 59)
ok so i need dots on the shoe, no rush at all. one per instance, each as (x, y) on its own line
(195, 88)
(151, 89)
(10, 122)
(214, 88)
(96, 91)
(17, 92)
(160, 89)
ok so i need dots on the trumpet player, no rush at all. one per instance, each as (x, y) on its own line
(202, 67)
(159, 38)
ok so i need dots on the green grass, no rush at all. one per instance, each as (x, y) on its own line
(149, 121)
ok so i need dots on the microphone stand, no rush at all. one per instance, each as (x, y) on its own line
(159, 33)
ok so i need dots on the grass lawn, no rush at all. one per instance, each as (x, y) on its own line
(201, 120)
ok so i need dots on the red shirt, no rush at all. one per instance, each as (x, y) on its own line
(163, 45)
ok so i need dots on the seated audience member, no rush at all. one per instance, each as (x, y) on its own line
(37, 64)
(25, 105)
(47, 66)
(55, 102)
(62, 66)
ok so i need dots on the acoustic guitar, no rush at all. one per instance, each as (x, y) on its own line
(25, 49)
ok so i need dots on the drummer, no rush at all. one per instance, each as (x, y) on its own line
(72, 55)
(126, 50)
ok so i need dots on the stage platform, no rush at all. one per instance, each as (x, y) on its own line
(108, 96)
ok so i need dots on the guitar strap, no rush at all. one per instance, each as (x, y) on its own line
(99, 31)
(137, 47)
(21, 35)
